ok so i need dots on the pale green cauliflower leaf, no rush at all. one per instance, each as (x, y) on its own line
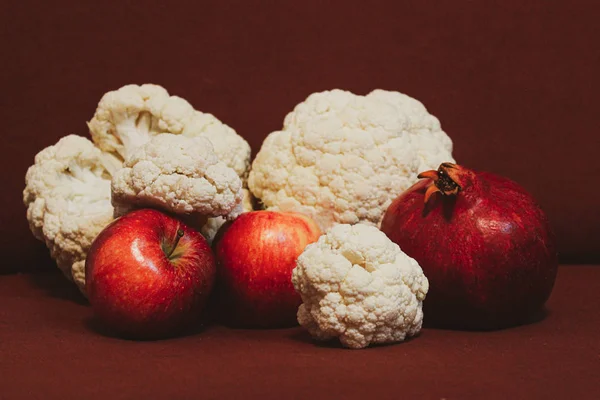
(358, 286)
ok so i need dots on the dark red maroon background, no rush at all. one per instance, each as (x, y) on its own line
(514, 83)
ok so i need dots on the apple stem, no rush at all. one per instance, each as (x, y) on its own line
(179, 236)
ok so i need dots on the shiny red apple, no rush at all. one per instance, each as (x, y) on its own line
(148, 275)
(256, 254)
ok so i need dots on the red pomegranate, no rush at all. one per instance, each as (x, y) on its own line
(482, 241)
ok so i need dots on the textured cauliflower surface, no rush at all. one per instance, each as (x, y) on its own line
(178, 174)
(67, 195)
(127, 118)
(342, 158)
(358, 286)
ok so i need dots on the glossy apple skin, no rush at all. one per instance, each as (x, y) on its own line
(134, 289)
(489, 253)
(256, 254)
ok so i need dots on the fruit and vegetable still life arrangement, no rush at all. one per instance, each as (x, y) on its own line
(353, 221)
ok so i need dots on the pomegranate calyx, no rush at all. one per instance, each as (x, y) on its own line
(445, 180)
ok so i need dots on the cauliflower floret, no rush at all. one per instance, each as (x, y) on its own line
(67, 195)
(212, 226)
(230, 147)
(342, 158)
(128, 117)
(357, 285)
(177, 174)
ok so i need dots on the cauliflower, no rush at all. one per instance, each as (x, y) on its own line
(67, 195)
(128, 117)
(178, 174)
(342, 158)
(358, 285)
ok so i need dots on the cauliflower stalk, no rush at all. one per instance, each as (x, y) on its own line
(342, 158)
(67, 195)
(129, 117)
(358, 286)
(178, 174)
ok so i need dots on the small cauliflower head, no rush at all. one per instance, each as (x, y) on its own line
(129, 117)
(358, 286)
(67, 195)
(342, 158)
(178, 174)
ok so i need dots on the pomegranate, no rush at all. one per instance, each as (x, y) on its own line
(482, 241)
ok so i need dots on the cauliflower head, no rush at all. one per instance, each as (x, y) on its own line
(178, 174)
(67, 195)
(342, 158)
(357, 285)
(127, 118)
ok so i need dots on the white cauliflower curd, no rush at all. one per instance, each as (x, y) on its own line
(342, 158)
(67, 195)
(178, 174)
(358, 286)
(129, 117)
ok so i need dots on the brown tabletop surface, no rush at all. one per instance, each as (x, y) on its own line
(48, 349)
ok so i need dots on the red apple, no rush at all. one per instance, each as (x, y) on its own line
(256, 254)
(148, 275)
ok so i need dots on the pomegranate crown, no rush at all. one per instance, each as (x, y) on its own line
(449, 179)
